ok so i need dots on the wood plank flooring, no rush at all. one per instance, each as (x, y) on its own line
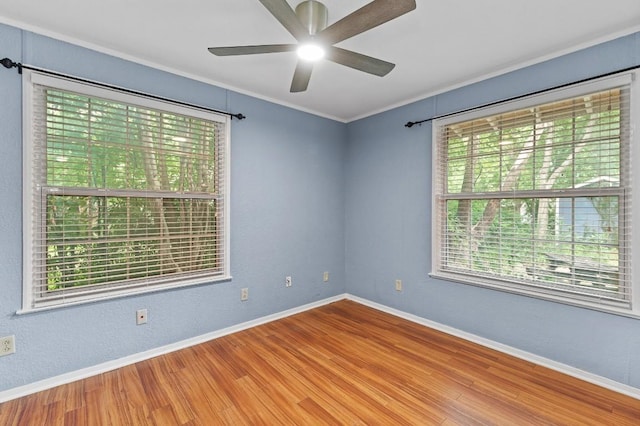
(340, 364)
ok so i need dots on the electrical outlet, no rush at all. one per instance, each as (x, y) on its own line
(7, 345)
(287, 281)
(244, 294)
(398, 285)
(141, 316)
(325, 277)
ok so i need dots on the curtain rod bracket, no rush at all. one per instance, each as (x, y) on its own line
(8, 63)
(410, 124)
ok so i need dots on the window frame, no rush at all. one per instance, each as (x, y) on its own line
(31, 260)
(632, 243)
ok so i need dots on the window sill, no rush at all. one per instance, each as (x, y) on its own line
(125, 293)
(543, 294)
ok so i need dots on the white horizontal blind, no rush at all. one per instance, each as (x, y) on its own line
(539, 198)
(125, 197)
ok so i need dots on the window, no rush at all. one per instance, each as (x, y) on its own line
(123, 194)
(534, 196)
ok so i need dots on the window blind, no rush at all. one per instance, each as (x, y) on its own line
(538, 198)
(125, 196)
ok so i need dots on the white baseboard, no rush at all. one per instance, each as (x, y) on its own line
(527, 356)
(72, 376)
(132, 359)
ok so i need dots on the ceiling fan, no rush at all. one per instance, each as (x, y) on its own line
(308, 24)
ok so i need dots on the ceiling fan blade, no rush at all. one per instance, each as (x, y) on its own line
(369, 16)
(252, 50)
(301, 76)
(359, 61)
(281, 10)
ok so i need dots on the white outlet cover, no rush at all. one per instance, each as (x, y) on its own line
(141, 316)
(7, 345)
(398, 285)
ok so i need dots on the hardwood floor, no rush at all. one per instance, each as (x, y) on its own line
(340, 364)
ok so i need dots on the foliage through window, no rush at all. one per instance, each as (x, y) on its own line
(127, 194)
(534, 197)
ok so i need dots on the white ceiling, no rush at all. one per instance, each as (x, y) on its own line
(440, 45)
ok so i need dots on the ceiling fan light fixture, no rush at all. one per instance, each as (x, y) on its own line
(310, 52)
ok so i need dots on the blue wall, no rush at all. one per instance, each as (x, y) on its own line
(287, 218)
(388, 229)
(308, 195)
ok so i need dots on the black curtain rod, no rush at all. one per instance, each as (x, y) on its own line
(8, 63)
(584, 80)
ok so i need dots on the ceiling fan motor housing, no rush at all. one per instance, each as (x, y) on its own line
(313, 15)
